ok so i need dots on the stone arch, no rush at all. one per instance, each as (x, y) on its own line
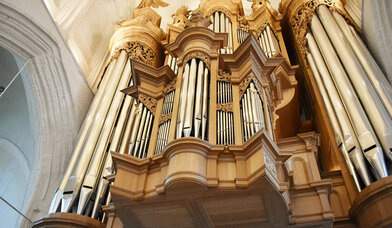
(54, 121)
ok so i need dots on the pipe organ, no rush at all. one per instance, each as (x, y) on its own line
(185, 120)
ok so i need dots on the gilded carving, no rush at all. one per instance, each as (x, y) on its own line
(223, 76)
(304, 16)
(170, 86)
(165, 118)
(149, 102)
(227, 107)
(136, 51)
(245, 83)
(200, 55)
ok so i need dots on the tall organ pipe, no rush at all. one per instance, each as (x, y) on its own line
(108, 169)
(335, 125)
(372, 104)
(74, 181)
(128, 127)
(190, 97)
(365, 134)
(205, 105)
(376, 76)
(82, 137)
(90, 180)
(199, 98)
(183, 100)
(347, 134)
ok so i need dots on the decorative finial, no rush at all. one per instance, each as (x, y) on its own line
(180, 18)
(197, 19)
(152, 3)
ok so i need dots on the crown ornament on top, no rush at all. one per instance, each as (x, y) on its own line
(151, 3)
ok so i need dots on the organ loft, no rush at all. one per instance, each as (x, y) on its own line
(273, 119)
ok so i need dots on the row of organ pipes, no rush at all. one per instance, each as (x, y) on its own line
(241, 35)
(225, 120)
(193, 108)
(356, 94)
(252, 114)
(222, 24)
(268, 42)
(163, 131)
(114, 122)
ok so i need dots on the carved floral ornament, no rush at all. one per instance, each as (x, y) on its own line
(199, 55)
(227, 107)
(245, 83)
(136, 51)
(218, 9)
(223, 76)
(304, 15)
(149, 102)
(165, 118)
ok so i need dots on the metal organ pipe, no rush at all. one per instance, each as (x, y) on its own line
(183, 100)
(372, 104)
(364, 131)
(347, 134)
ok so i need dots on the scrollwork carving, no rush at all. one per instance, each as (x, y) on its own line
(149, 102)
(219, 9)
(165, 118)
(199, 55)
(244, 84)
(136, 51)
(227, 107)
(223, 76)
(304, 16)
